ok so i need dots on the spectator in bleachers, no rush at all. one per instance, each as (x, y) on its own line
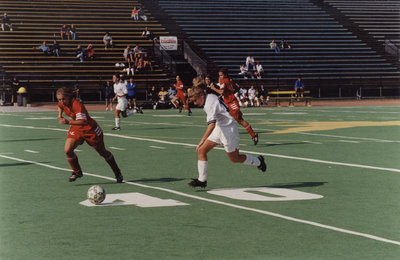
(285, 45)
(108, 42)
(259, 70)
(299, 87)
(171, 93)
(147, 61)
(109, 94)
(243, 71)
(72, 32)
(263, 95)
(142, 14)
(135, 14)
(80, 53)
(128, 54)
(140, 65)
(6, 23)
(137, 52)
(163, 99)
(250, 62)
(56, 49)
(44, 48)
(148, 34)
(90, 52)
(64, 32)
(274, 46)
(242, 95)
(253, 99)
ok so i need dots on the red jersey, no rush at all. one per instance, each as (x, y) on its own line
(179, 87)
(228, 93)
(77, 111)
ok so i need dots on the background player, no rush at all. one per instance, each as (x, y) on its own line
(226, 89)
(82, 128)
(181, 97)
(121, 92)
(221, 129)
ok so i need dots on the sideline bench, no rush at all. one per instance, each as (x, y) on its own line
(283, 95)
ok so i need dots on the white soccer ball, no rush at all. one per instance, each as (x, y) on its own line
(96, 194)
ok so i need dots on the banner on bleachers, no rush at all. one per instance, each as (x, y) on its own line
(169, 43)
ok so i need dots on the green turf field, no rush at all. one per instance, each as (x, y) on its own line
(331, 190)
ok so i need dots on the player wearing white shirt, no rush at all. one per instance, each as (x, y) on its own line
(221, 129)
(121, 93)
(253, 97)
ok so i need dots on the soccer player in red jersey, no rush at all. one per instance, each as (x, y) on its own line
(82, 128)
(181, 97)
(226, 89)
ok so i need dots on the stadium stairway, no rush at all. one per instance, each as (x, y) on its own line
(324, 52)
(36, 21)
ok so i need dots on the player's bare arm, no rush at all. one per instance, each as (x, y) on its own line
(209, 130)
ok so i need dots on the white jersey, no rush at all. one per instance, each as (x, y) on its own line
(120, 89)
(252, 93)
(217, 111)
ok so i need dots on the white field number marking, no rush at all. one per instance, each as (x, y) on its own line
(135, 198)
(280, 194)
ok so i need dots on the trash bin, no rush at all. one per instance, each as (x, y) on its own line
(22, 97)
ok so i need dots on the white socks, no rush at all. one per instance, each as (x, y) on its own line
(251, 160)
(202, 168)
(117, 122)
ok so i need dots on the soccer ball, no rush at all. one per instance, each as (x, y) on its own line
(96, 194)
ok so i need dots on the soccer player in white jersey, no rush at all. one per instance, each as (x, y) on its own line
(221, 129)
(121, 93)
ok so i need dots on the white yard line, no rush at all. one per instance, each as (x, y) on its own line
(116, 148)
(220, 148)
(31, 151)
(156, 147)
(264, 212)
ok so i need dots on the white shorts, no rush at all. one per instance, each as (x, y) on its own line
(122, 104)
(228, 136)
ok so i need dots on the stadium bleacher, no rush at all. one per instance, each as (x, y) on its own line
(322, 48)
(40, 20)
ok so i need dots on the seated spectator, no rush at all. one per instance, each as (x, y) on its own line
(140, 65)
(72, 32)
(250, 62)
(135, 14)
(285, 45)
(171, 93)
(141, 14)
(128, 54)
(108, 42)
(263, 95)
(64, 31)
(6, 23)
(90, 52)
(242, 96)
(259, 70)
(163, 97)
(56, 49)
(253, 99)
(299, 87)
(244, 72)
(44, 48)
(274, 46)
(80, 53)
(137, 52)
(148, 34)
(147, 61)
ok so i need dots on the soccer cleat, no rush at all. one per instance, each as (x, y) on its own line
(180, 110)
(255, 139)
(140, 110)
(189, 113)
(196, 183)
(263, 166)
(116, 128)
(119, 177)
(74, 176)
